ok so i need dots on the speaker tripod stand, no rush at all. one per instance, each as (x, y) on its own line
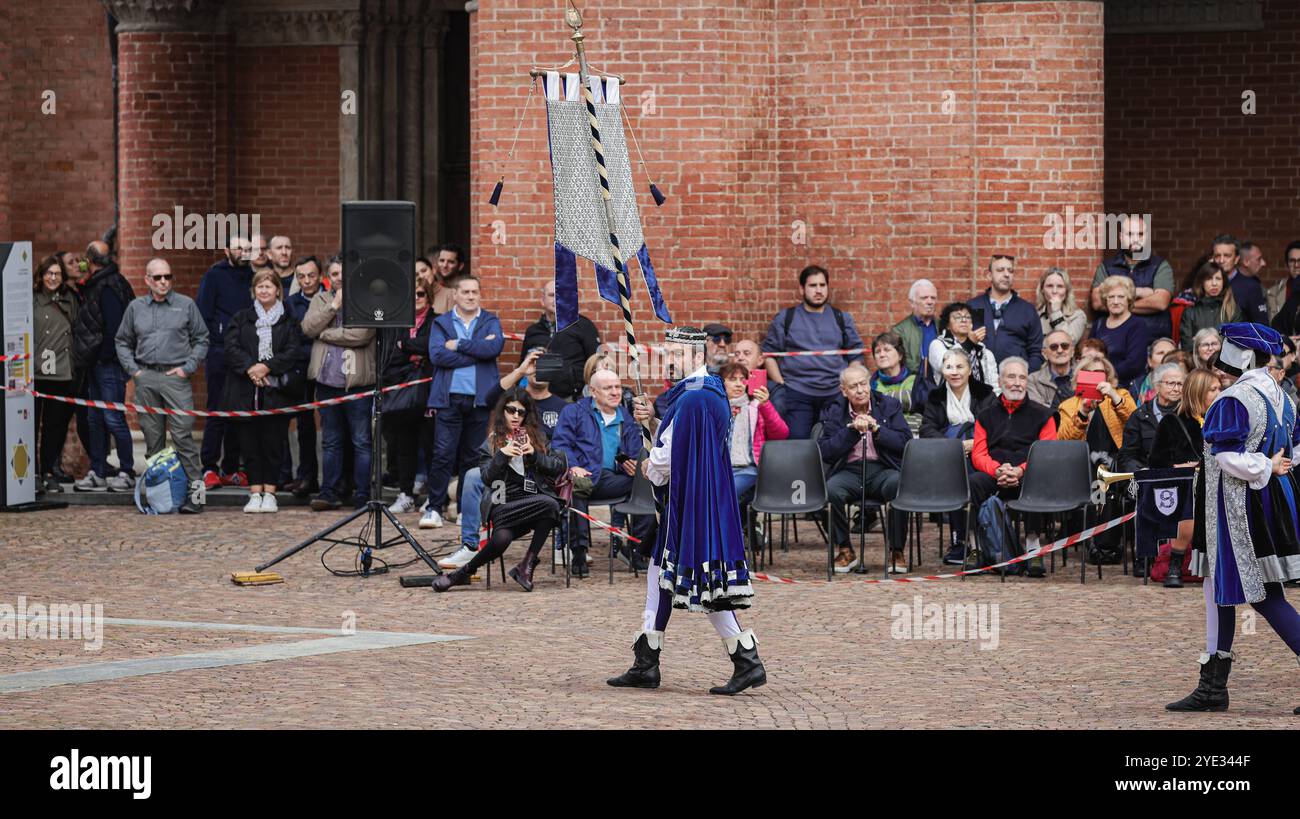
(375, 512)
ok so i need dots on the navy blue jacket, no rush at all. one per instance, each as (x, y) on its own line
(1021, 332)
(1249, 294)
(578, 436)
(480, 351)
(296, 306)
(224, 290)
(838, 438)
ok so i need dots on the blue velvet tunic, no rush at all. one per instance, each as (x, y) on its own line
(700, 550)
(1255, 535)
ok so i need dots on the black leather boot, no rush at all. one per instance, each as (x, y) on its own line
(1211, 692)
(459, 577)
(1174, 580)
(523, 573)
(748, 671)
(644, 672)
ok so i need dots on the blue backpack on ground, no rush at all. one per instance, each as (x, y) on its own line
(997, 537)
(162, 488)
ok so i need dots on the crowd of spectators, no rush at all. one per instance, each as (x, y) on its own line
(996, 371)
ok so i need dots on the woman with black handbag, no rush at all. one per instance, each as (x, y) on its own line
(521, 479)
(264, 358)
(407, 432)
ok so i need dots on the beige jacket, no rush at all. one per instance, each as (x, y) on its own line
(1276, 296)
(318, 323)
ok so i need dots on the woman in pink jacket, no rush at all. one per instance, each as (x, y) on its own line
(755, 421)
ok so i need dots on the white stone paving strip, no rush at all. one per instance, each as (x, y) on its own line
(118, 669)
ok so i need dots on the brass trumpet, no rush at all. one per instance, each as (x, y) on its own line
(1107, 477)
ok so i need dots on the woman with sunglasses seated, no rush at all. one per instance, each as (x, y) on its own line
(515, 461)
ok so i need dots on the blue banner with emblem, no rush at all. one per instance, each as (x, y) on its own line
(1165, 497)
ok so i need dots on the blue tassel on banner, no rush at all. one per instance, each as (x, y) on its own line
(566, 286)
(659, 197)
(652, 285)
(496, 193)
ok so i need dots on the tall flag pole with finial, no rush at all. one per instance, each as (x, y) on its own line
(596, 215)
(573, 18)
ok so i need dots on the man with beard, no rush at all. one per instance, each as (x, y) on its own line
(223, 291)
(448, 265)
(1153, 278)
(811, 382)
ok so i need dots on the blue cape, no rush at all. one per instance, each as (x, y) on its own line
(700, 549)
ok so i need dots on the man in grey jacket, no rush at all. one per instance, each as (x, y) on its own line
(160, 343)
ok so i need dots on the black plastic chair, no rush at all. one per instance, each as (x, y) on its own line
(933, 480)
(786, 469)
(1057, 480)
(640, 502)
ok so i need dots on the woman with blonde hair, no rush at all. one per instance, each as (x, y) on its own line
(1057, 308)
(1124, 333)
(1077, 413)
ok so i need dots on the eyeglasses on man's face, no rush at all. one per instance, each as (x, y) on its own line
(1060, 347)
(162, 277)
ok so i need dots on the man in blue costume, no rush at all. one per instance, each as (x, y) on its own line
(698, 562)
(1249, 543)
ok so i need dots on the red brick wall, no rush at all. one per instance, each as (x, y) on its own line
(1179, 146)
(169, 85)
(287, 143)
(56, 177)
(831, 116)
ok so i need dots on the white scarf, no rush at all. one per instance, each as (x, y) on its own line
(959, 408)
(265, 319)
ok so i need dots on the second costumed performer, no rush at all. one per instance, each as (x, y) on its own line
(698, 562)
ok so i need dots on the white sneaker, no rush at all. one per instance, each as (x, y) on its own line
(560, 557)
(269, 503)
(431, 520)
(121, 483)
(404, 503)
(254, 504)
(457, 559)
(90, 483)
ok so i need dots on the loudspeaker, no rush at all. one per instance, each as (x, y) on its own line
(378, 264)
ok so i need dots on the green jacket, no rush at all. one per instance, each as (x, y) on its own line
(52, 317)
(913, 355)
(1205, 313)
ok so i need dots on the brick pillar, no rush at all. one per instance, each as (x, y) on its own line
(1038, 131)
(168, 89)
(169, 134)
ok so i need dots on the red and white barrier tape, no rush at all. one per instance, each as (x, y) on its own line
(122, 407)
(16, 357)
(1054, 546)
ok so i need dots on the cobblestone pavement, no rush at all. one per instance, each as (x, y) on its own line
(1106, 654)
